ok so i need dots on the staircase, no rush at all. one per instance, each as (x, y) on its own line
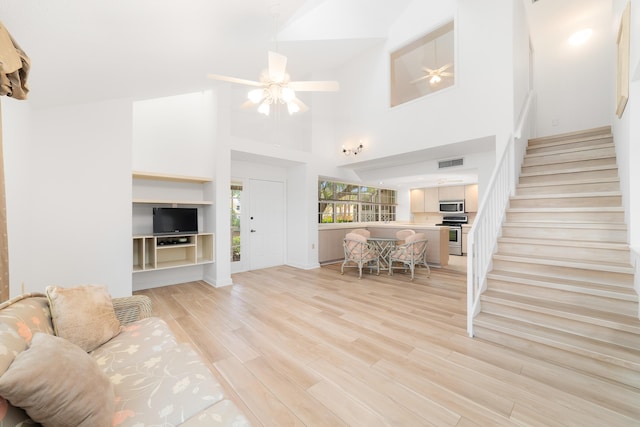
(561, 287)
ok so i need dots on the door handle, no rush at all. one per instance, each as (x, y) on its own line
(253, 231)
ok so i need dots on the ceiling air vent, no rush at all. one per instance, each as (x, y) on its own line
(449, 163)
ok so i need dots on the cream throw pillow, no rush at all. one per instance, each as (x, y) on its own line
(83, 315)
(59, 384)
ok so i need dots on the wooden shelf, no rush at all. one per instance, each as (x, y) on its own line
(168, 177)
(190, 187)
(172, 202)
(150, 255)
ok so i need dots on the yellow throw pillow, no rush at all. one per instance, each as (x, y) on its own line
(83, 315)
(58, 384)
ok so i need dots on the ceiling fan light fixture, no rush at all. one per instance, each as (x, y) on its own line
(264, 108)
(276, 88)
(287, 95)
(256, 95)
(292, 107)
(435, 79)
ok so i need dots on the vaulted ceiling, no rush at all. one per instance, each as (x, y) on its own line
(86, 50)
(90, 50)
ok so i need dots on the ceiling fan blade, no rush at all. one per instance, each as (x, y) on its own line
(444, 67)
(246, 105)
(277, 66)
(446, 74)
(419, 79)
(315, 86)
(234, 80)
(302, 105)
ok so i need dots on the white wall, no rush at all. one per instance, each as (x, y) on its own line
(479, 104)
(574, 84)
(69, 196)
(626, 130)
(175, 135)
(302, 218)
(521, 62)
(16, 129)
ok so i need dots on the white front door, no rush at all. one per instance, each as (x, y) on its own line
(266, 223)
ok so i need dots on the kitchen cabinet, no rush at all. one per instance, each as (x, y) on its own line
(428, 199)
(471, 198)
(455, 192)
(424, 200)
(465, 233)
(431, 201)
(417, 200)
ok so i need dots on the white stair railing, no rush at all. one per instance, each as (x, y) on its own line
(487, 226)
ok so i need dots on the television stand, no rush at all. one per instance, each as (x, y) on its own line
(172, 240)
(152, 253)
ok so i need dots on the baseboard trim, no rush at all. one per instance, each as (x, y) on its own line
(304, 267)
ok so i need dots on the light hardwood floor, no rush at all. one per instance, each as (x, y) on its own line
(315, 348)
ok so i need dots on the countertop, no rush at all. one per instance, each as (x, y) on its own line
(417, 226)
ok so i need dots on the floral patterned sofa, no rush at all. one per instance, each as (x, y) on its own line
(152, 379)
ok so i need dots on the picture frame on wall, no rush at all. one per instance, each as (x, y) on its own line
(622, 75)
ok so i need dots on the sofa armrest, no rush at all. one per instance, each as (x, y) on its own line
(130, 309)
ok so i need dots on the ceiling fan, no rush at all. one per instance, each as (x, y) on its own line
(434, 76)
(275, 87)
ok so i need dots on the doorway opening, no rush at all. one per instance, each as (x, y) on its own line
(236, 213)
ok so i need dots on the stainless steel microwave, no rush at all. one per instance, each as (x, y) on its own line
(452, 206)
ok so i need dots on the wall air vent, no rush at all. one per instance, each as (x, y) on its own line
(449, 163)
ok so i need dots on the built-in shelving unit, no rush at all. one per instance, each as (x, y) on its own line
(151, 253)
(181, 184)
(168, 177)
(158, 252)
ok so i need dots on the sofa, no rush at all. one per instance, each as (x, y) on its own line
(139, 376)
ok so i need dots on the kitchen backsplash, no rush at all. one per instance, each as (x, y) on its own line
(435, 217)
(427, 217)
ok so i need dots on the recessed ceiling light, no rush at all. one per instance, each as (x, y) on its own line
(580, 37)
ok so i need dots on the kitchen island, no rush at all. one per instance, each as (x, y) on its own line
(330, 237)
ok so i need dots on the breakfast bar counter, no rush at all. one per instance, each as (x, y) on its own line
(330, 237)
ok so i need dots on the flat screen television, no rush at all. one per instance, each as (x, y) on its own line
(168, 221)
